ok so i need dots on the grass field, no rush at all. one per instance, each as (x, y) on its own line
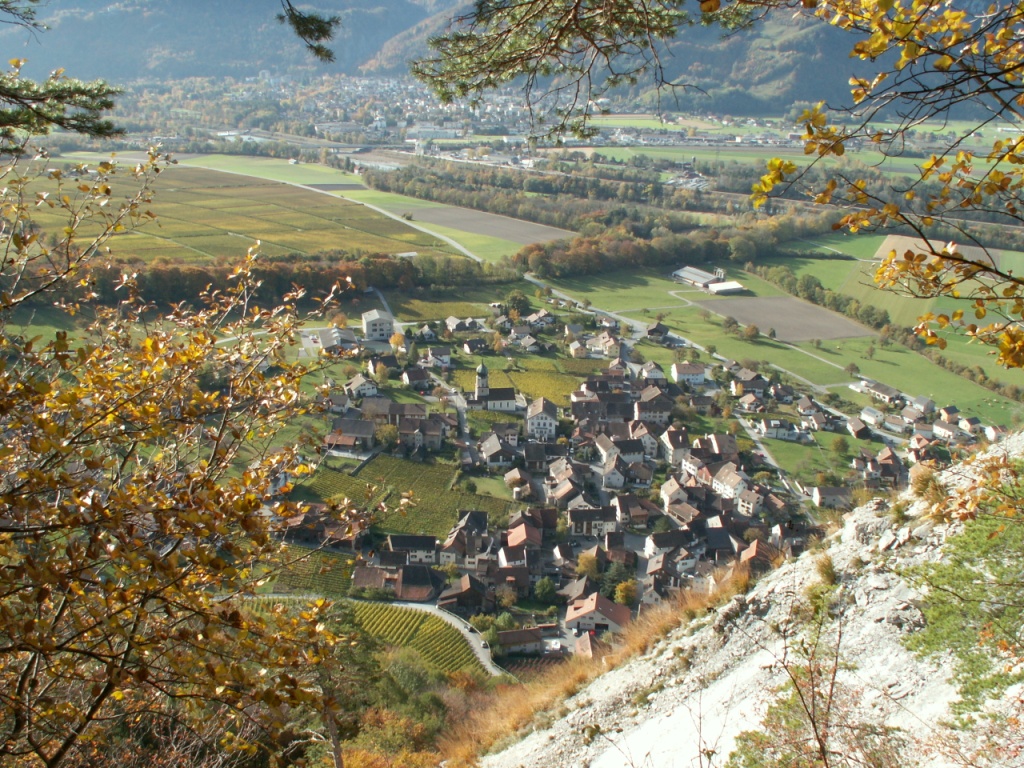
(618, 291)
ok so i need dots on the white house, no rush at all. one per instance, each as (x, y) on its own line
(542, 419)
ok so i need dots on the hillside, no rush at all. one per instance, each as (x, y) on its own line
(686, 701)
(762, 69)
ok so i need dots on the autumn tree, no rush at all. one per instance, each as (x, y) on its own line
(136, 515)
(135, 505)
(586, 565)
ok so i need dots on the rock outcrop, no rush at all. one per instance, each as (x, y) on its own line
(684, 702)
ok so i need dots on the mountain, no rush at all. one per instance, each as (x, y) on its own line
(762, 69)
(147, 39)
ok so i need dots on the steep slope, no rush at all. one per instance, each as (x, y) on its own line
(686, 701)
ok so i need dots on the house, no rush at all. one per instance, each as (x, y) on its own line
(633, 511)
(378, 325)
(524, 642)
(439, 356)
(750, 403)
(858, 429)
(815, 422)
(746, 381)
(360, 386)
(593, 521)
(657, 331)
(690, 374)
(390, 362)
(418, 583)
(467, 541)
(673, 442)
(950, 414)
(672, 492)
(657, 410)
(467, 597)
(474, 346)
(542, 419)
(495, 452)
(970, 424)
(426, 333)
(596, 613)
(730, 481)
(418, 379)
(651, 372)
(805, 406)
(872, 416)
(613, 472)
(352, 434)
(525, 535)
(883, 392)
(749, 503)
(943, 430)
(824, 496)
(420, 549)
(658, 543)
(578, 349)
(780, 429)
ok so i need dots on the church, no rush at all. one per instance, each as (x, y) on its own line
(487, 399)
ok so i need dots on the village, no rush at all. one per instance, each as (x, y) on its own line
(621, 505)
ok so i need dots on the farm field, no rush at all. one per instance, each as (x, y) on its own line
(793, 319)
(274, 169)
(210, 216)
(439, 643)
(439, 306)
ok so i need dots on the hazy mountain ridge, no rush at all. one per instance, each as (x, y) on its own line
(764, 68)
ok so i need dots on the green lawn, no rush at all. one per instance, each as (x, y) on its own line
(633, 290)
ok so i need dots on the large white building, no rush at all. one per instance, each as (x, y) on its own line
(378, 325)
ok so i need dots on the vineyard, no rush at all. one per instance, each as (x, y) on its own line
(436, 506)
(333, 485)
(317, 572)
(438, 642)
(556, 387)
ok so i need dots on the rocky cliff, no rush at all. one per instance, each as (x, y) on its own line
(685, 702)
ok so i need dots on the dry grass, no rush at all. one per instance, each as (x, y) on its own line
(510, 712)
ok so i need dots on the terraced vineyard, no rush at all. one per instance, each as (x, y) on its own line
(314, 572)
(440, 643)
(333, 485)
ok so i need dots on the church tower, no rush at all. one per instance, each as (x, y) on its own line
(482, 388)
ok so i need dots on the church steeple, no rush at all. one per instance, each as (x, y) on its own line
(482, 387)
